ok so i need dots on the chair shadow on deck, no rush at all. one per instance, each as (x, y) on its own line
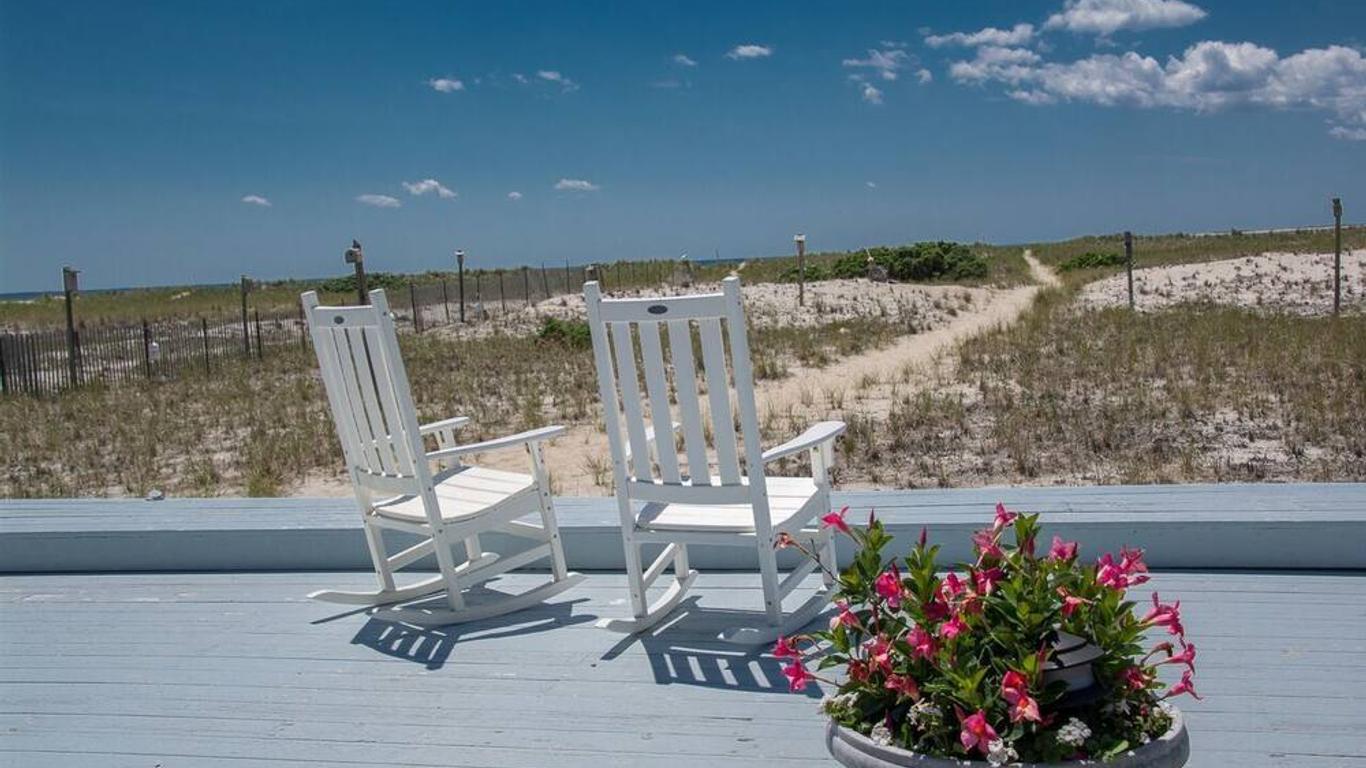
(432, 646)
(684, 650)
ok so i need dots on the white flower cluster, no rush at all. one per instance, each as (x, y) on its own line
(1000, 753)
(924, 713)
(881, 735)
(832, 705)
(1074, 733)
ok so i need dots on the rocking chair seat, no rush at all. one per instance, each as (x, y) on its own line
(791, 502)
(461, 493)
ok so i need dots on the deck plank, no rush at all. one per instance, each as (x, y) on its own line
(210, 670)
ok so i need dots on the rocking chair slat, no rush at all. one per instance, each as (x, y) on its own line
(629, 381)
(685, 385)
(653, 358)
(718, 394)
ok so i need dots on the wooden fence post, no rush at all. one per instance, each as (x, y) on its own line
(246, 329)
(412, 301)
(4, 372)
(147, 347)
(1129, 263)
(1337, 255)
(260, 345)
(204, 334)
(69, 288)
(545, 281)
(567, 289)
(460, 267)
(502, 296)
(303, 327)
(526, 285)
(446, 300)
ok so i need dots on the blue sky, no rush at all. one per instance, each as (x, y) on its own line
(136, 137)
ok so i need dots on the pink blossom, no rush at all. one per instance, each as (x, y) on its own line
(1015, 690)
(1134, 678)
(986, 542)
(783, 541)
(1070, 602)
(1185, 686)
(858, 670)
(936, 610)
(846, 617)
(1063, 550)
(880, 653)
(977, 732)
(797, 677)
(786, 649)
(1130, 571)
(1168, 616)
(986, 579)
(924, 537)
(952, 628)
(1186, 656)
(904, 685)
(836, 520)
(921, 642)
(1003, 517)
(888, 587)
(951, 587)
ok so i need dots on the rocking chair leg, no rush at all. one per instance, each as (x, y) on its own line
(768, 572)
(446, 562)
(374, 539)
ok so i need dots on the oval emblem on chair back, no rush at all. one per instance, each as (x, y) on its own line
(338, 319)
(657, 309)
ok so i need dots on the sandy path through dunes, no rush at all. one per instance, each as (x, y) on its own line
(580, 462)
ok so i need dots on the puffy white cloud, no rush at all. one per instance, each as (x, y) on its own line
(924, 76)
(378, 201)
(553, 76)
(1016, 35)
(256, 200)
(576, 185)
(1206, 77)
(870, 94)
(749, 51)
(514, 195)
(884, 62)
(1105, 17)
(684, 60)
(446, 84)
(428, 185)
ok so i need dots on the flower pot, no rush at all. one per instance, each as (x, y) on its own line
(853, 749)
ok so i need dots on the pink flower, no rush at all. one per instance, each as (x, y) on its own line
(1063, 550)
(1134, 679)
(1168, 616)
(921, 642)
(936, 610)
(888, 587)
(985, 541)
(880, 653)
(1003, 517)
(786, 649)
(858, 670)
(952, 628)
(924, 537)
(986, 579)
(1185, 686)
(797, 677)
(1070, 602)
(1132, 563)
(846, 617)
(783, 541)
(1015, 690)
(1186, 656)
(977, 732)
(904, 685)
(1130, 571)
(951, 587)
(836, 520)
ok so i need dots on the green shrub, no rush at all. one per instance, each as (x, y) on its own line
(1092, 260)
(571, 333)
(373, 280)
(921, 262)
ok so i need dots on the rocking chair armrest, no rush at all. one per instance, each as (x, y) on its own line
(816, 434)
(650, 437)
(499, 443)
(453, 423)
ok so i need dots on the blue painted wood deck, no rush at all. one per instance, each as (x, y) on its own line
(238, 670)
(1184, 526)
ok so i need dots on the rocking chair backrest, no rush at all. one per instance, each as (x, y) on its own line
(623, 328)
(367, 388)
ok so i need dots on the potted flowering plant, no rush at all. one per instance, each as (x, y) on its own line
(1022, 656)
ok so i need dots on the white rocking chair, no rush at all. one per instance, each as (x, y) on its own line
(396, 488)
(691, 506)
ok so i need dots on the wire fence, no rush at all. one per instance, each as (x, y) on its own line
(51, 361)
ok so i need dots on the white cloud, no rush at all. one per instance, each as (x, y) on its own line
(446, 84)
(256, 200)
(684, 60)
(553, 76)
(514, 195)
(884, 62)
(871, 94)
(428, 185)
(1105, 17)
(924, 76)
(870, 184)
(576, 185)
(750, 51)
(1017, 35)
(379, 201)
(1208, 76)
(519, 77)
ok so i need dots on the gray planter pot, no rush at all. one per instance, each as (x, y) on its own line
(853, 749)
